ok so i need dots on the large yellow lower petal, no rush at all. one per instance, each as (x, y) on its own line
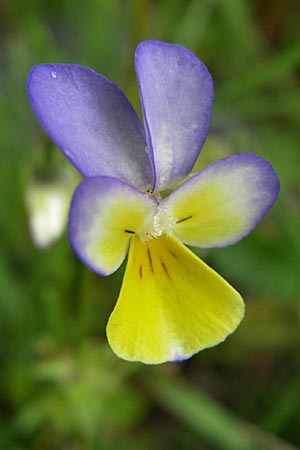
(171, 304)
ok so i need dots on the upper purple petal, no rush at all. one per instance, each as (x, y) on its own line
(176, 92)
(92, 121)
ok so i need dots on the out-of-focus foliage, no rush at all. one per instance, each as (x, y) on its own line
(61, 387)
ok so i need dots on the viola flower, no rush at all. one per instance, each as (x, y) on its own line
(171, 304)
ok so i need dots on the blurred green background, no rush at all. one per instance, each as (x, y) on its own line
(61, 387)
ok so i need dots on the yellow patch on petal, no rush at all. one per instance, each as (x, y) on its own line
(205, 215)
(105, 237)
(171, 304)
(221, 204)
(121, 219)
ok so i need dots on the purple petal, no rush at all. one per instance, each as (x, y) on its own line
(224, 202)
(105, 214)
(176, 91)
(92, 122)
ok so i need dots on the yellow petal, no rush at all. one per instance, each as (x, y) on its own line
(171, 304)
(224, 202)
(105, 214)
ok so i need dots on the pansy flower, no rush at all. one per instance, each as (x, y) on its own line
(171, 304)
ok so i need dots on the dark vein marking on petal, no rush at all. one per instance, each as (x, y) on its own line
(129, 231)
(184, 219)
(141, 272)
(173, 254)
(165, 269)
(150, 259)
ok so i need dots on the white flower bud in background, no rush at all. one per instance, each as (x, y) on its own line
(47, 207)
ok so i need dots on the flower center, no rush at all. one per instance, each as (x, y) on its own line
(160, 223)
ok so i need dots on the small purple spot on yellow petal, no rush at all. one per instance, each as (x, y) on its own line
(150, 259)
(184, 219)
(165, 269)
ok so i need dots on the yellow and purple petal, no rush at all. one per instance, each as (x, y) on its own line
(92, 122)
(176, 91)
(105, 214)
(171, 304)
(224, 202)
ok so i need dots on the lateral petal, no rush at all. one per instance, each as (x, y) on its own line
(105, 213)
(176, 91)
(92, 122)
(171, 304)
(223, 203)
